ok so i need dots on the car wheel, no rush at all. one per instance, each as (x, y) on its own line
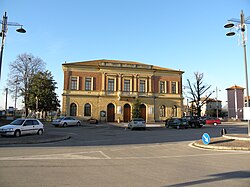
(193, 125)
(78, 123)
(215, 124)
(17, 133)
(40, 132)
(65, 124)
(178, 127)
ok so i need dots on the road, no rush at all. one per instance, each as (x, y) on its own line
(112, 156)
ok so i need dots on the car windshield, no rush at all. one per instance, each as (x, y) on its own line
(17, 122)
(60, 119)
(138, 119)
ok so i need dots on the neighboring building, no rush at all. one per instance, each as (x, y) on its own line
(235, 98)
(245, 100)
(209, 108)
(212, 108)
(107, 89)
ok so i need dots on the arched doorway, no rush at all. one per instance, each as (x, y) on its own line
(73, 109)
(143, 111)
(127, 113)
(111, 112)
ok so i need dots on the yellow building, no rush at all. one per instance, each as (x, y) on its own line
(106, 90)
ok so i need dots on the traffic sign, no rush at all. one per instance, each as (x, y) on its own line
(206, 138)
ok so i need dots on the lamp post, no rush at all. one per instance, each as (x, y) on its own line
(3, 33)
(217, 107)
(241, 24)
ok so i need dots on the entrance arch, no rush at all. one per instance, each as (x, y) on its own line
(143, 111)
(127, 113)
(111, 112)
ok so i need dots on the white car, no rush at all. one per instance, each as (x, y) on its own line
(137, 123)
(66, 121)
(22, 126)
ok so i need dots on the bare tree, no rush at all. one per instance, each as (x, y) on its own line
(196, 90)
(21, 71)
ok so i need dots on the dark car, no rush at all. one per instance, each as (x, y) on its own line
(203, 120)
(176, 123)
(193, 121)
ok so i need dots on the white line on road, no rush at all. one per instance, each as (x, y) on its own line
(100, 155)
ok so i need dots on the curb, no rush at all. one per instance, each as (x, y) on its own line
(37, 141)
(232, 136)
(195, 144)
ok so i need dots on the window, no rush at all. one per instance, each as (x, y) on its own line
(173, 88)
(174, 111)
(35, 122)
(111, 85)
(162, 87)
(126, 85)
(87, 109)
(73, 83)
(73, 109)
(142, 86)
(162, 111)
(28, 123)
(87, 83)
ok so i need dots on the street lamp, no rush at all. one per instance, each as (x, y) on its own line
(241, 24)
(217, 107)
(3, 33)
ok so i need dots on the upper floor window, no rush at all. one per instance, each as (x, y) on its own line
(73, 83)
(126, 85)
(173, 87)
(111, 85)
(162, 87)
(88, 83)
(142, 87)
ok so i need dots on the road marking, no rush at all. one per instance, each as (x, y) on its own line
(80, 155)
(100, 155)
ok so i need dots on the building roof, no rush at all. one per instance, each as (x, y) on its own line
(118, 63)
(235, 87)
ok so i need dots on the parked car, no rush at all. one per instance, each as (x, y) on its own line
(137, 123)
(213, 121)
(193, 121)
(66, 121)
(177, 123)
(22, 126)
(93, 121)
(203, 120)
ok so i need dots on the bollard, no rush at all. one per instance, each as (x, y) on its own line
(223, 132)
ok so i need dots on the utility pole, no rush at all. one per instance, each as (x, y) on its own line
(6, 100)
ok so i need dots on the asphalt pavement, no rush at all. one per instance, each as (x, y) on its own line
(226, 142)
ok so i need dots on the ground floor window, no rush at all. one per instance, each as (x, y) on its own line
(73, 109)
(162, 111)
(87, 109)
(174, 111)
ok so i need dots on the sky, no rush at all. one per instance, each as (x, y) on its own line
(185, 35)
